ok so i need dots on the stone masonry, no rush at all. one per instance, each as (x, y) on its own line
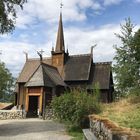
(49, 114)
(105, 129)
(10, 114)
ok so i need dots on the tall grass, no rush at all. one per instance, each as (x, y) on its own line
(125, 112)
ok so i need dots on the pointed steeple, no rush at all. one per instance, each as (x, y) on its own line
(60, 46)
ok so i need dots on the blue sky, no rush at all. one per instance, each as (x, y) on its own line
(86, 23)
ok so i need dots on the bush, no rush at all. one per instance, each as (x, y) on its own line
(75, 106)
(135, 92)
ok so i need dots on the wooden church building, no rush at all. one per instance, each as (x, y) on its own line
(41, 79)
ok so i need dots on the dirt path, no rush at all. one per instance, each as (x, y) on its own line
(32, 129)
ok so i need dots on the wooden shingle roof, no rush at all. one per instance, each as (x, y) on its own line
(29, 68)
(45, 75)
(77, 68)
(101, 74)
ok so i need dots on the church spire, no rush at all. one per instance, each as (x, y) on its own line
(60, 46)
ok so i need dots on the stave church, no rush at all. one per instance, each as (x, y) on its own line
(42, 78)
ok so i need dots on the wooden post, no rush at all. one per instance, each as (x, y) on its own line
(18, 96)
(27, 101)
(40, 100)
(44, 103)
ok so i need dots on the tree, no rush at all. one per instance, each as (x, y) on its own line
(8, 14)
(127, 59)
(6, 83)
(136, 55)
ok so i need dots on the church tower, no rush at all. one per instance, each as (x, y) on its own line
(59, 56)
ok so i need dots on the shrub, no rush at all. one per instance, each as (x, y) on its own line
(135, 92)
(75, 106)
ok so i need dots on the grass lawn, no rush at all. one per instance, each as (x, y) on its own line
(126, 113)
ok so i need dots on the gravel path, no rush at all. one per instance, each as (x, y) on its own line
(32, 129)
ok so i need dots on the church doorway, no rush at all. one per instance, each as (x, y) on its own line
(33, 107)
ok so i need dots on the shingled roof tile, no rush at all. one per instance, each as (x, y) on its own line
(101, 74)
(29, 68)
(45, 75)
(77, 68)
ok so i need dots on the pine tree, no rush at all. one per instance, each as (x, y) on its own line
(127, 59)
(136, 55)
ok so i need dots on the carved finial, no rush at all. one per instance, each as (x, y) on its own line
(26, 54)
(92, 49)
(67, 51)
(52, 49)
(40, 53)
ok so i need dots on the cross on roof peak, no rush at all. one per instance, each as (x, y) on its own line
(41, 51)
(61, 5)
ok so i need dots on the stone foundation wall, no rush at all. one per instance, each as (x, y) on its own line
(49, 114)
(105, 129)
(10, 114)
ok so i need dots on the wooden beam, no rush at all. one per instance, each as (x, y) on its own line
(40, 103)
(34, 94)
(41, 100)
(26, 101)
(44, 104)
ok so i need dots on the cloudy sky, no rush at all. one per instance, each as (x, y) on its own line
(86, 23)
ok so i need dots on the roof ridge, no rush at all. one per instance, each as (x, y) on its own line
(32, 75)
(44, 58)
(44, 73)
(109, 62)
(49, 65)
(52, 77)
(78, 55)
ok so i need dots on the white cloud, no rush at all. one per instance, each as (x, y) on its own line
(48, 11)
(96, 6)
(12, 54)
(24, 20)
(75, 38)
(82, 40)
(79, 39)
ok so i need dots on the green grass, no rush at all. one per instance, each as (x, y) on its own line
(75, 132)
(126, 113)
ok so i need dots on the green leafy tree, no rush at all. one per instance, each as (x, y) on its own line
(8, 14)
(127, 59)
(6, 84)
